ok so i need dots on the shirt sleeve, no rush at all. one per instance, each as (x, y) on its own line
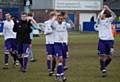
(35, 26)
(48, 29)
(111, 19)
(68, 25)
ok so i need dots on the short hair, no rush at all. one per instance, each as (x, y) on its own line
(107, 13)
(62, 13)
(52, 13)
(23, 13)
(30, 14)
(8, 13)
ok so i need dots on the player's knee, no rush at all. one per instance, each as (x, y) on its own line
(6, 52)
(109, 57)
(60, 59)
(30, 46)
(49, 57)
(101, 57)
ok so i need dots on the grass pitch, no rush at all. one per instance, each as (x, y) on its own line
(83, 62)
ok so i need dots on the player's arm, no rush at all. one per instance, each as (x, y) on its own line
(68, 20)
(112, 13)
(15, 28)
(34, 23)
(32, 20)
(98, 19)
(101, 13)
(3, 28)
(35, 26)
(68, 25)
(48, 30)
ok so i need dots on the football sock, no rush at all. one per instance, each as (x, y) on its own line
(25, 62)
(102, 64)
(107, 62)
(30, 54)
(49, 65)
(6, 59)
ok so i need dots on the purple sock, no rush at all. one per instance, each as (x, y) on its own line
(60, 69)
(6, 58)
(107, 62)
(25, 62)
(49, 65)
(102, 64)
(21, 62)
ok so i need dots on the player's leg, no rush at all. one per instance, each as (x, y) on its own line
(25, 56)
(14, 52)
(6, 54)
(6, 57)
(31, 53)
(110, 51)
(49, 58)
(60, 67)
(53, 59)
(65, 56)
(49, 64)
(108, 60)
(53, 63)
(102, 56)
(20, 55)
(16, 61)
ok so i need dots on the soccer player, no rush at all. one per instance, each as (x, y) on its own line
(10, 40)
(105, 45)
(60, 27)
(34, 26)
(48, 31)
(66, 52)
(23, 30)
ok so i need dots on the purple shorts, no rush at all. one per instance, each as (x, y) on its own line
(60, 49)
(23, 48)
(10, 44)
(105, 47)
(50, 49)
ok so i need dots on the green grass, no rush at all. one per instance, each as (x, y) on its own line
(83, 62)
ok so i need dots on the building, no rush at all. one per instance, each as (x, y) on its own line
(78, 10)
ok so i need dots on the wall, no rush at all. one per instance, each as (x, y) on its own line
(42, 4)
